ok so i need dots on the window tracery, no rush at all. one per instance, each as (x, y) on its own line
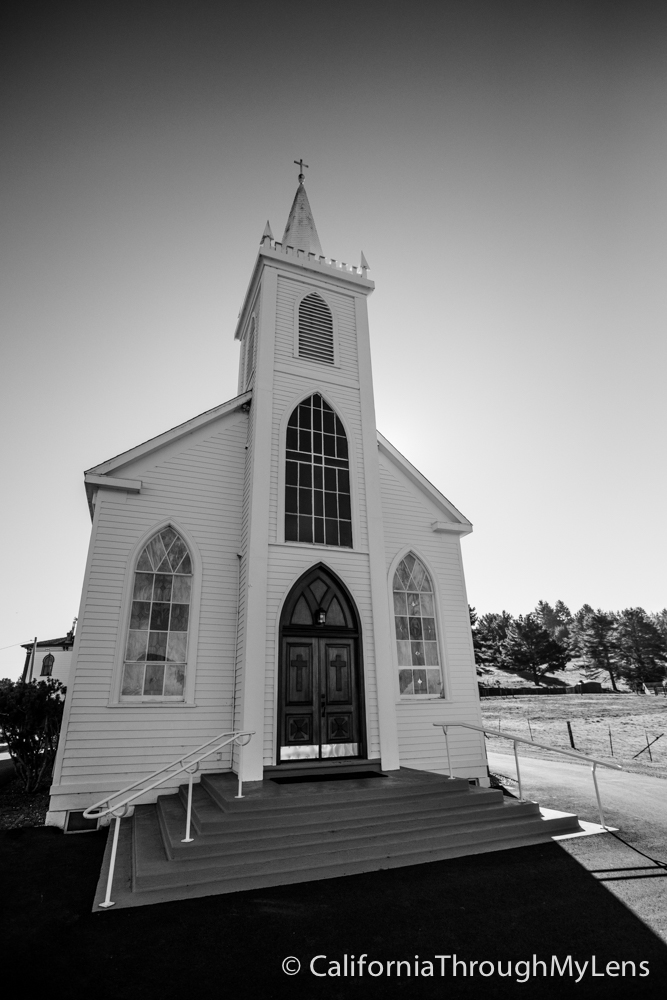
(416, 632)
(156, 649)
(317, 476)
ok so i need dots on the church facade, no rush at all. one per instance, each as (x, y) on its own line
(273, 565)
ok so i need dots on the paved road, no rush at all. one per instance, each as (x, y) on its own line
(635, 803)
(632, 802)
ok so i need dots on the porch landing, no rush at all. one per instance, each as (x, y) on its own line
(299, 832)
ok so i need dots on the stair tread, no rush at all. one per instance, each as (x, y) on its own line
(173, 817)
(268, 796)
(282, 833)
(338, 849)
(220, 868)
(207, 814)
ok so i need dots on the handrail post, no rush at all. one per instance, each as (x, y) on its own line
(449, 762)
(239, 795)
(188, 839)
(597, 794)
(112, 864)
(518, 772)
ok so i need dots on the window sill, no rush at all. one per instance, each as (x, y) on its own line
(152, 703)
(322, 545)
(406, 699)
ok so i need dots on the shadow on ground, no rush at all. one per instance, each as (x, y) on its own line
(507, 906)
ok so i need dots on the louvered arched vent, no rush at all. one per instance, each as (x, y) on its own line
(316, 339)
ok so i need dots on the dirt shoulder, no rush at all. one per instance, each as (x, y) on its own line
(614, 727)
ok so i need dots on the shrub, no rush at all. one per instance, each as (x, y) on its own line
(30, 716)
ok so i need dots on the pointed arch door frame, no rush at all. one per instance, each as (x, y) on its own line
(320, 710)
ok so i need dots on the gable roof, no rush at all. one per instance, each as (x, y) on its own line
(66, 641)
(100, 474)
(171, 435)
(456, 521)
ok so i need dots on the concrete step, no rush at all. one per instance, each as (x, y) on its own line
(285, 833)
(208, 818)
(271, 867)
(312, 836)
(267, 796)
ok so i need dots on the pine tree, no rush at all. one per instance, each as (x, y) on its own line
(529, 646)
(641, 646)
(555, 620)
(592, 636)
(490, 632)
(659, 619)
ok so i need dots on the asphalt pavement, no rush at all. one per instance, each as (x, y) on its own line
(635, 804)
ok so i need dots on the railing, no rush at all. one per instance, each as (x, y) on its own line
(106, 808)
(543, 746)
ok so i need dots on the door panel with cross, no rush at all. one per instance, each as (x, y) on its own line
(319, 701)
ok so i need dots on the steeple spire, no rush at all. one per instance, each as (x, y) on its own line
(300, 231)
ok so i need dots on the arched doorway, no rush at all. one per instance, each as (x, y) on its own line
(320, 695)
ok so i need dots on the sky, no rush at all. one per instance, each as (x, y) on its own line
(500, 164)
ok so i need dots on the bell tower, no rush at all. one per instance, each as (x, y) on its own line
(312, 484)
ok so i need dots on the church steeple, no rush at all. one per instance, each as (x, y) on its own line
(300, 231)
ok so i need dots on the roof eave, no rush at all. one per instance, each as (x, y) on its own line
(457, 523)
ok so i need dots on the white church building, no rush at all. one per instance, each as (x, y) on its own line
(273, 565)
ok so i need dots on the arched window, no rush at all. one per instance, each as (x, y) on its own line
(156, 651)
(47, 665)
(316, 337)
(317, 476)
(416, 635)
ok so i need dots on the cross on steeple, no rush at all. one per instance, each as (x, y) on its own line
(300, 164)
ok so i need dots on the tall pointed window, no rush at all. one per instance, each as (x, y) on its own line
(317, 476)
(316, 337)
(416, 635)
(250, 354)
(156, 651)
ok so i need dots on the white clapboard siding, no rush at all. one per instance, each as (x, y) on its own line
(197, 483)
(408, 516)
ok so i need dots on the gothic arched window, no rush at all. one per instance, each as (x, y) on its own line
(416, 634)
(317, 476)
(250, 354)
(157, 641)
(316, 335)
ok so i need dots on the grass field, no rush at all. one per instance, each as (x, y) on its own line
(631, 719)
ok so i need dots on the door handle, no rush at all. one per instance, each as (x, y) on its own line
(323, 704)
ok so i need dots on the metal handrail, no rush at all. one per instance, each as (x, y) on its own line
(543, 746)
(104, 810)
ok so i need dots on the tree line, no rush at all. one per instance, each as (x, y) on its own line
(631, 644)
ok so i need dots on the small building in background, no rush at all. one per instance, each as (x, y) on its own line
(51, 658)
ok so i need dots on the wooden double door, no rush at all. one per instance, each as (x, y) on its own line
(319, 702)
